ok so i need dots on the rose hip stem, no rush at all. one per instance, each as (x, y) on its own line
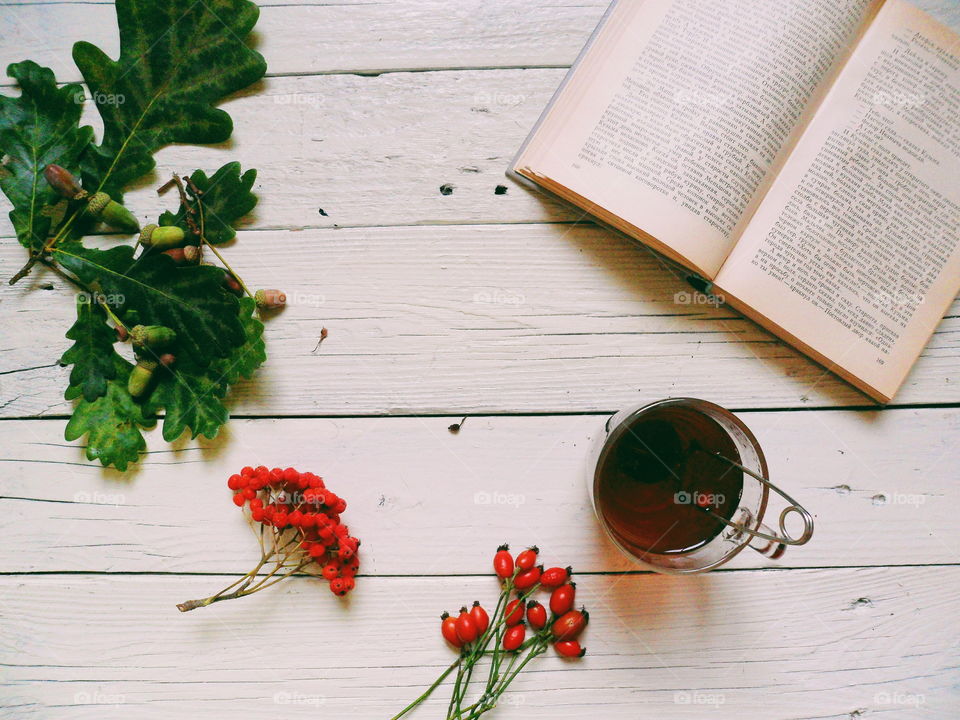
(426, 693)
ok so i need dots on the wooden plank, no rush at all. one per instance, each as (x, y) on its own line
(342, 37)
(471, 319)
(355, 36)
(425, 501)
(800, 645)
(372, 150)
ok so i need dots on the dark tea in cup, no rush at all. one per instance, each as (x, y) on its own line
(681, 486)
(662, 474)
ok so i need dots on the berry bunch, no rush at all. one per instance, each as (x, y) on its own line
(299, 529)
(503, 638)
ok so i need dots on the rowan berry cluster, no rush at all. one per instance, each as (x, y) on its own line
(298, 523)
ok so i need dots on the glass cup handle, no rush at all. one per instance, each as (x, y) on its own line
(775, 545)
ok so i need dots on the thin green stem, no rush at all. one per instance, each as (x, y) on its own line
(426, 693)
(221, 258)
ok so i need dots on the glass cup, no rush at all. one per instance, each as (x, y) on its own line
(743, 526)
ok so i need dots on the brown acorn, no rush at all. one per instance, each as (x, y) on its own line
(231, 284)
(61, 180)
(192, 254)
(177, 255)
(168, 360)
(270, 299)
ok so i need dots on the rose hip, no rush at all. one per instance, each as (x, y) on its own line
(480, 617)
(561, 599)
(514, 612)
(528, 578)
(528, 558)
(569, 625)
(536, 615)
(503, 562)
(513, 637)
(570, 649)
(555, 576)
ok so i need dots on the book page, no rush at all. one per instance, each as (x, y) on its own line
(855, 250)
(681, 109)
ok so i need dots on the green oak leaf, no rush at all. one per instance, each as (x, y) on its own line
(38, 128)
(226, 199)
(112, 422)
(191, 396)
(92, 353)
(190, 300)
(178, 58)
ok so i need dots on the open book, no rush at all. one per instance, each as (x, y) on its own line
(802, 155)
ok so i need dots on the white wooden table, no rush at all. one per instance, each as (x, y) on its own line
(507, 309)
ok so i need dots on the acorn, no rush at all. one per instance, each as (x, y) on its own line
(270, 299)
(106, 209)
(177, 255)
(140, 377)
(63, 182)
(192, 254)
(232, 284)
(162, 238)
(168, 360)
(154, 337)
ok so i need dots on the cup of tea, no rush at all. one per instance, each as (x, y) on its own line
(681, 486)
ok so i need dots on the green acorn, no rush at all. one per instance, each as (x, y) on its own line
(161, 238)
(109, 211)
(154, 337)
(140, 377)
